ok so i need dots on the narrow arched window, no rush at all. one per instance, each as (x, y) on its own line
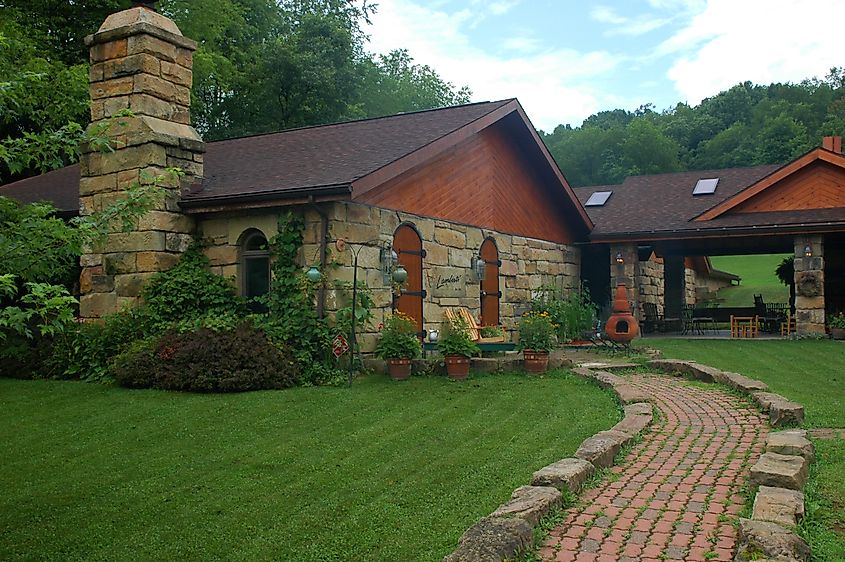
(255, 264)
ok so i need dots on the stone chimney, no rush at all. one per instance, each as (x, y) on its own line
(139, 61)
(834, 144)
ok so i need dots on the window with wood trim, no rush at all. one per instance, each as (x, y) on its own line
(255, 264)
(490, 291)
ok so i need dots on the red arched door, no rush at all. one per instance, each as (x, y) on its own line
(490, 293)
(408, 245)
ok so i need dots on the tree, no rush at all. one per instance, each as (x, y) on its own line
(647, 150)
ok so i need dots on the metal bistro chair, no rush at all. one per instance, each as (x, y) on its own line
(652, 320)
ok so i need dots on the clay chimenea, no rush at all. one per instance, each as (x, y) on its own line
(621, 327)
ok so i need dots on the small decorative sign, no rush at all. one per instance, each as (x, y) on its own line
(448, 282)
(339, 345)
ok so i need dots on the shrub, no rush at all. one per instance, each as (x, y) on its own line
(536, 331)
(572, 314)
(454, 338)
(189, 290)
(208, 361)
(399, 338)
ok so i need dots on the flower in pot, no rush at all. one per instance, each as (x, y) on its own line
(457, 347)
(399, 344)
(836, 323)
(536, 339)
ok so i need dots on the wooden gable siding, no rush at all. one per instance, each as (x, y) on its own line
(484, 181)
(818, 186)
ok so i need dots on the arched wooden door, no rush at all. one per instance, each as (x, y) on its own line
(490, 293)
(408, 245)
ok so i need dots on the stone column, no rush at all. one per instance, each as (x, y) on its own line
(628, 272)
(674, 283)
(809, 285)
(139, 61)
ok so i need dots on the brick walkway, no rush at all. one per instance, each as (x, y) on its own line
(675, 495)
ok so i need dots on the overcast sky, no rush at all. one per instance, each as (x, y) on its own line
(565, 60)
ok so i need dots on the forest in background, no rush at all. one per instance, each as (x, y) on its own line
(268, 65)
(746, 125)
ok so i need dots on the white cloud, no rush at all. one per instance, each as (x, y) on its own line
(606, 14)
(623, 25)
(762, 41)
(553, 85)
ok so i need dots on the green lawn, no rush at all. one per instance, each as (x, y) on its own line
(812, 373)
(382, 471)
(758, 278)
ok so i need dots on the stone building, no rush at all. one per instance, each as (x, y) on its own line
(445, 189)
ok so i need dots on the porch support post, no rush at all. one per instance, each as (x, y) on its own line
(628, 273)
(674, 283)
(809, 285)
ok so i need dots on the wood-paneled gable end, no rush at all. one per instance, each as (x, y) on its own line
(486, 180)
(818, 186)
(813, 181)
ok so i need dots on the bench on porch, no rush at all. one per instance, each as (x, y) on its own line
(494, 343)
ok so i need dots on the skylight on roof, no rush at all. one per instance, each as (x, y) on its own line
(705, 186)
(598, 199)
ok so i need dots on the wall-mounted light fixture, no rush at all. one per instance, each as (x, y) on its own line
(479, 268)
(619, 259)
(808, 250)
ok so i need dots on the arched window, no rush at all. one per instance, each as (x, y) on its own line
(407, 244)
(255, 264)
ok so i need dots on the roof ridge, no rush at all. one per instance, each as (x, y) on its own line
(498, 104)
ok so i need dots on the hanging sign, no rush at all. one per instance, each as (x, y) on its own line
(339, 345)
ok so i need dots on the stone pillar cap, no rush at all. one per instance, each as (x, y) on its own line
(139, 20)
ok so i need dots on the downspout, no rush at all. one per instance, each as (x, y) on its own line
(324, 238)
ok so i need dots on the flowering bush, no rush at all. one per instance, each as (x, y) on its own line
(836, 320)
(399, 338)
(536, 331)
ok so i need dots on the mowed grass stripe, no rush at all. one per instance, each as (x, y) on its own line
(382, 471)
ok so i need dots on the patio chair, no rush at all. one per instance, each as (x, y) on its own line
(474, 329)
(652, 320)
(787, 327)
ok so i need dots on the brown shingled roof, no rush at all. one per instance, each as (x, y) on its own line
(59, 187)
(664, 203)
(327, 156)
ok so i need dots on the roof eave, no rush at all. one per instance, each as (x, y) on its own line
(265, 199)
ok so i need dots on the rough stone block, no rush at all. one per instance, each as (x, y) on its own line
(791, 443)
(636, 419)
(144, 43)
(155, 261)
(111, 88)
(762, 538)
(785, 412)
(133, 64)
(131, 284)
(126, 158)
(558, 360)
(602, 448)
(780, 471)
(449, 237)
(569, 474)
(135, 241)
(176, 73)
(109, 50)
(629, 394)
(493, 539)
(97, 184)
(176, 242)
(530, 503)
(122, 262)
(778, 505)
(741, 382)
(97, 305)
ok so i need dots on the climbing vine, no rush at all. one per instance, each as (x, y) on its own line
(291, 318)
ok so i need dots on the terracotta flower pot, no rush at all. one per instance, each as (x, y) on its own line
(399, 369)
(837, 333)
(457, 367)
(536, 362)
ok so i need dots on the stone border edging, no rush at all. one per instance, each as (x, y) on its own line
(510, 529)
(779, 474)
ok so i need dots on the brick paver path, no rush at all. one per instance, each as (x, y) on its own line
(676, 494)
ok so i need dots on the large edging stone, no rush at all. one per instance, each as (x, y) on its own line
(758, 538)
(602, 448)
(791, 442)
(569, 474)
(493, 539)
(780, 471)
(778, 505)
(530, 503)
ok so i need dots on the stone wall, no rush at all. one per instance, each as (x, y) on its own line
(527, 264)
(651, 283)
(809, 286)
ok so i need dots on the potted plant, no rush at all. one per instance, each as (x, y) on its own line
(457, 347)
(398, 345)
(536, 339)
(836, 323)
